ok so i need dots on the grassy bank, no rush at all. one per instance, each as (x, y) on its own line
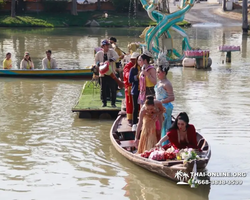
(66, 19)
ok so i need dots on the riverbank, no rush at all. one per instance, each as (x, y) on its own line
(114, 19)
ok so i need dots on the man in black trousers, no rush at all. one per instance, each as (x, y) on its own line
(107, 54)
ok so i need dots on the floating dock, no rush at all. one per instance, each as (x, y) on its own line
(89, 104)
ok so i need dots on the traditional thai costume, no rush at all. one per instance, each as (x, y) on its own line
(128, 96)
(133, 78)
(148, 138)
(190, 140)
(161, 94)
(146, 87)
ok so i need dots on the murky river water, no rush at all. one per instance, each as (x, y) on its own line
(47, 152)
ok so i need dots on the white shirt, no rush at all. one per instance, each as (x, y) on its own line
(26, 64)
(111, 54)
(45, 63)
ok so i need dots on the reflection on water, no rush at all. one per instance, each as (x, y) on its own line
(207, 25)
(48, 153)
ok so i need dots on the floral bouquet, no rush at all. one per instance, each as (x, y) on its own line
(187, 155)
(159, 154)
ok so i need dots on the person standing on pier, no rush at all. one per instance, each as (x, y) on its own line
(108, 84)
(118, 64)
(128, 96)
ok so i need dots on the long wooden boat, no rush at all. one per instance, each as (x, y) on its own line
(122, 139)
(54, 73)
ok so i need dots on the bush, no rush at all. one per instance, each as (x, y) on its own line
(54, 6)
(2, 3)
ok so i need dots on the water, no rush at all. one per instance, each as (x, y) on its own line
(47, 152)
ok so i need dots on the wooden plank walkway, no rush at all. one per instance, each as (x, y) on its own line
(89, 103)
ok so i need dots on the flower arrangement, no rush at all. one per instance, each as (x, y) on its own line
(160, 154)
(187, 154)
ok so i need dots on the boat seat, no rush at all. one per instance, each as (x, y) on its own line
(127, 143)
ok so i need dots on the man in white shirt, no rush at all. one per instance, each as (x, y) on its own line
(48, 62)
(108, 84)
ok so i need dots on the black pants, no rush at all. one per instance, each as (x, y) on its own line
(110, 82)
(135, 108)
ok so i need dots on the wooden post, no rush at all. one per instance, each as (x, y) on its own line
(244, 16)
(228, 57)
(224, 5)
(13, 8)
(244, 46)
(74, 7)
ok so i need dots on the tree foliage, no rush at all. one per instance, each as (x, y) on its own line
(122, 6)
(54, 6)
(2, 3)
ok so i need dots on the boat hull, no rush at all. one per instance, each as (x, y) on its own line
(166, 169)
(55, 73)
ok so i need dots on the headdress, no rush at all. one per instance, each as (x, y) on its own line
(147, 53)
(162, 61)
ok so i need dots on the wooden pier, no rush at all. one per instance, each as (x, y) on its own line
(89, 104)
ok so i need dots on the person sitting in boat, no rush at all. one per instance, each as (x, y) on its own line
(164, 93)
(147, 77)
(26, 62)
(151, 111)
(7, 62)
(181, 134)
(48, 62)
(108, 84)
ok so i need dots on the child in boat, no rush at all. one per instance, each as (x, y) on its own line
(26, 62)
(181, 134)
(151, 111)
(7, 62)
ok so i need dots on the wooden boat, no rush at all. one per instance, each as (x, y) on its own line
(54, 73)
(123, 140)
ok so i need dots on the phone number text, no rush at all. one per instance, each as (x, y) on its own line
(219, 182)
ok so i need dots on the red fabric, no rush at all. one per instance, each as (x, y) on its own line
(129, 104)
(128, 96)
(126, 71)
(191, 135)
